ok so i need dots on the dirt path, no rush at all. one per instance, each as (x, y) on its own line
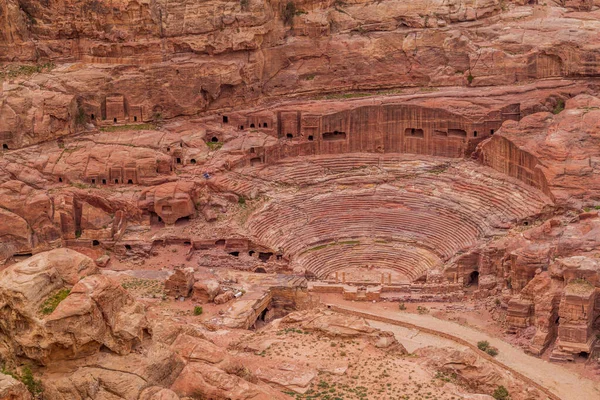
(565, 384)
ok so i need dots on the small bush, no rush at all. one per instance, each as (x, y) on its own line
(53, 301)
(422, 310)
(241, 200)
(33, 385)
(501, 393)
(401, 306)
(198, 310)
(492, 351)
(214, 145)
(483, 345)
(470, 78)
(560, 105)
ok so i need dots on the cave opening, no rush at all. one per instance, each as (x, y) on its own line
(473, 278)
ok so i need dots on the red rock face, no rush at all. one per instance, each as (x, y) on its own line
(438, 151)
(555, 153)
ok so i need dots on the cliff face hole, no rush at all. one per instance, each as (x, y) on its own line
(225, 119)
(214, 139)
(5, 146)
(473, 278)
(335, 135)
(414, 132)
(95, 243)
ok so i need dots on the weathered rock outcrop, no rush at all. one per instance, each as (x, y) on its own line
(12, 389)
(559, 154)
(96, 311)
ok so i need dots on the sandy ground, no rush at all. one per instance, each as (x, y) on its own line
(566, 384)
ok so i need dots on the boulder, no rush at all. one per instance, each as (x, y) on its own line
(12, 389)
(205, 291)
(180, 283)
(224, 297)
(198, 380)
(53, 308)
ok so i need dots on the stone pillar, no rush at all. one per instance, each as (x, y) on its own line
(343, 276)
(382, 278)
(390, 278)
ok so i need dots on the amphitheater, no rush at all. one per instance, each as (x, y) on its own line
(390, 213)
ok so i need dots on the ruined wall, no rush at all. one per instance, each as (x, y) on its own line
(391, 128)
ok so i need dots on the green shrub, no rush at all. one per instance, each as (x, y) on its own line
(53, 301)
(401, 306)
(214, 145)
(241, 200)
(501, 393)
(33, 385)
(560, 105)
(470, 78)
(198, 310)
(422, 310)
(483, 345)
(492, 351)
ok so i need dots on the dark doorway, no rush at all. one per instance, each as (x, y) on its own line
(104, 181)
(95, 243)
(491, 131)
(474, 133)
(473, 278)
(264, 257)
(335, 135)
(178, 160)
(130, 182)
(214, 139)
(193, 161)
(234, 253)
(252, 126)
(92, 117)
(134, 118)
(225, 119)
(311, 138)
(289, 136)
(115, 120)
(5, 146)
(260, 270)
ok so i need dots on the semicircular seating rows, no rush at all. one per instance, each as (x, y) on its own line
(438, 211)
